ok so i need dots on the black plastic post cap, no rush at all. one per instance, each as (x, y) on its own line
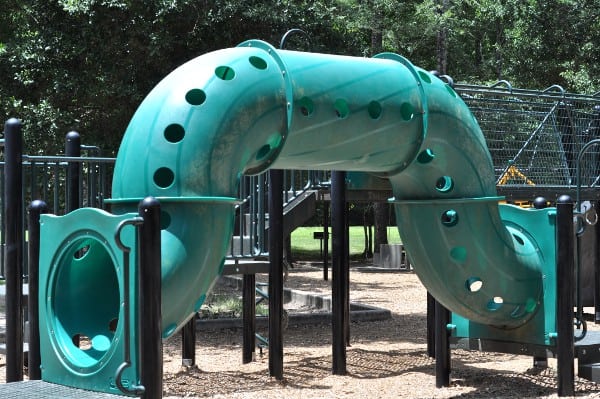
(73, 135)
(149, 202)
(38, 205)
(564, 199)
(540, 203)
(12, 124)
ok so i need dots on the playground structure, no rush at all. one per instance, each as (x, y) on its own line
(305, 111)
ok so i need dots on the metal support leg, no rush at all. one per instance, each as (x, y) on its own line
(565, 351)
(34, 360)
(249, 318)
(188, 343)
(325, 240)
(338, 295)
(430, 325)
(151, 358)
(442, 346)
(276, 273)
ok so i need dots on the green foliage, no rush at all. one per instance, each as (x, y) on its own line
(85, 65)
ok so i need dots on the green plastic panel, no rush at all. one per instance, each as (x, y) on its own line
(81, 297)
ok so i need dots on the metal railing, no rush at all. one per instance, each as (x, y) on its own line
(534, 136)
(534, 139)
(47, 178)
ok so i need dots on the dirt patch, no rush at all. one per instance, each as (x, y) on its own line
(386, 359)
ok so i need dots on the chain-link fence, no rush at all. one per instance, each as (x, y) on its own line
(535, 137)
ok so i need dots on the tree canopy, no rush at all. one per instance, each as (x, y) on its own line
(86, 65)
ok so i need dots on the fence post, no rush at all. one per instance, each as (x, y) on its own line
(565, 351)
(13, 257)
(150, 298)
(72, 149)
(35, 209)
(276, 273)
(339, 272)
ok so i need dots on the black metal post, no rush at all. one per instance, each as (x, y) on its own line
(564, 296)
(72, 149)
(276, 273)
(325, 240)
(13, 256)
(346, 274)
(338, 294)
(188, 343)
(150, 298)
(249, 317)
(597, 269)
(442, 346)
(36, 208)
(430, 325)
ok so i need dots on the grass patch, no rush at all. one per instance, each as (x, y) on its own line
(305, 247)
(220, 306)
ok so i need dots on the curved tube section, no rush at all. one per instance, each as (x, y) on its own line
(249, 108)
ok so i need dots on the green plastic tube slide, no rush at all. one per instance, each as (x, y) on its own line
(246, 109)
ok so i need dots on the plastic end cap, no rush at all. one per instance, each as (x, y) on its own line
(38, 205)
(12, 123)
(540, 203)
(149, 202)
(73, 135)
(564, 199)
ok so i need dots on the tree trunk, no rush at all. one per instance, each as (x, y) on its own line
(442, 39)
(381, 223)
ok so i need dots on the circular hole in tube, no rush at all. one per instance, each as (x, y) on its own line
(258, 62)
(174, 133)
(341, 108)
(81, 252)
(474, 284)
(83, 341)
(263, 152)
(165, 220)
(306, 106)
(459, 254)
(224, 72)
(444, 184)
(495, 303)
(518, 312)
(195, 97)
(450, 218)
(374, 109)
(425, 156)
(112, 324)
(164, 177)
(101, 343)
(425, 77)
(519, 239)
(407, 111)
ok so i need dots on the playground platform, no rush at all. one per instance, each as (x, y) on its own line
(45, 390)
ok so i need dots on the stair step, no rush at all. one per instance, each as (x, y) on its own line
(590, 371)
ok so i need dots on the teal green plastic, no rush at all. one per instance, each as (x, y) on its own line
(540, 329)
(456, 257)
(352, 114)
(81, 294)
(253, 107)
(366, 181)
